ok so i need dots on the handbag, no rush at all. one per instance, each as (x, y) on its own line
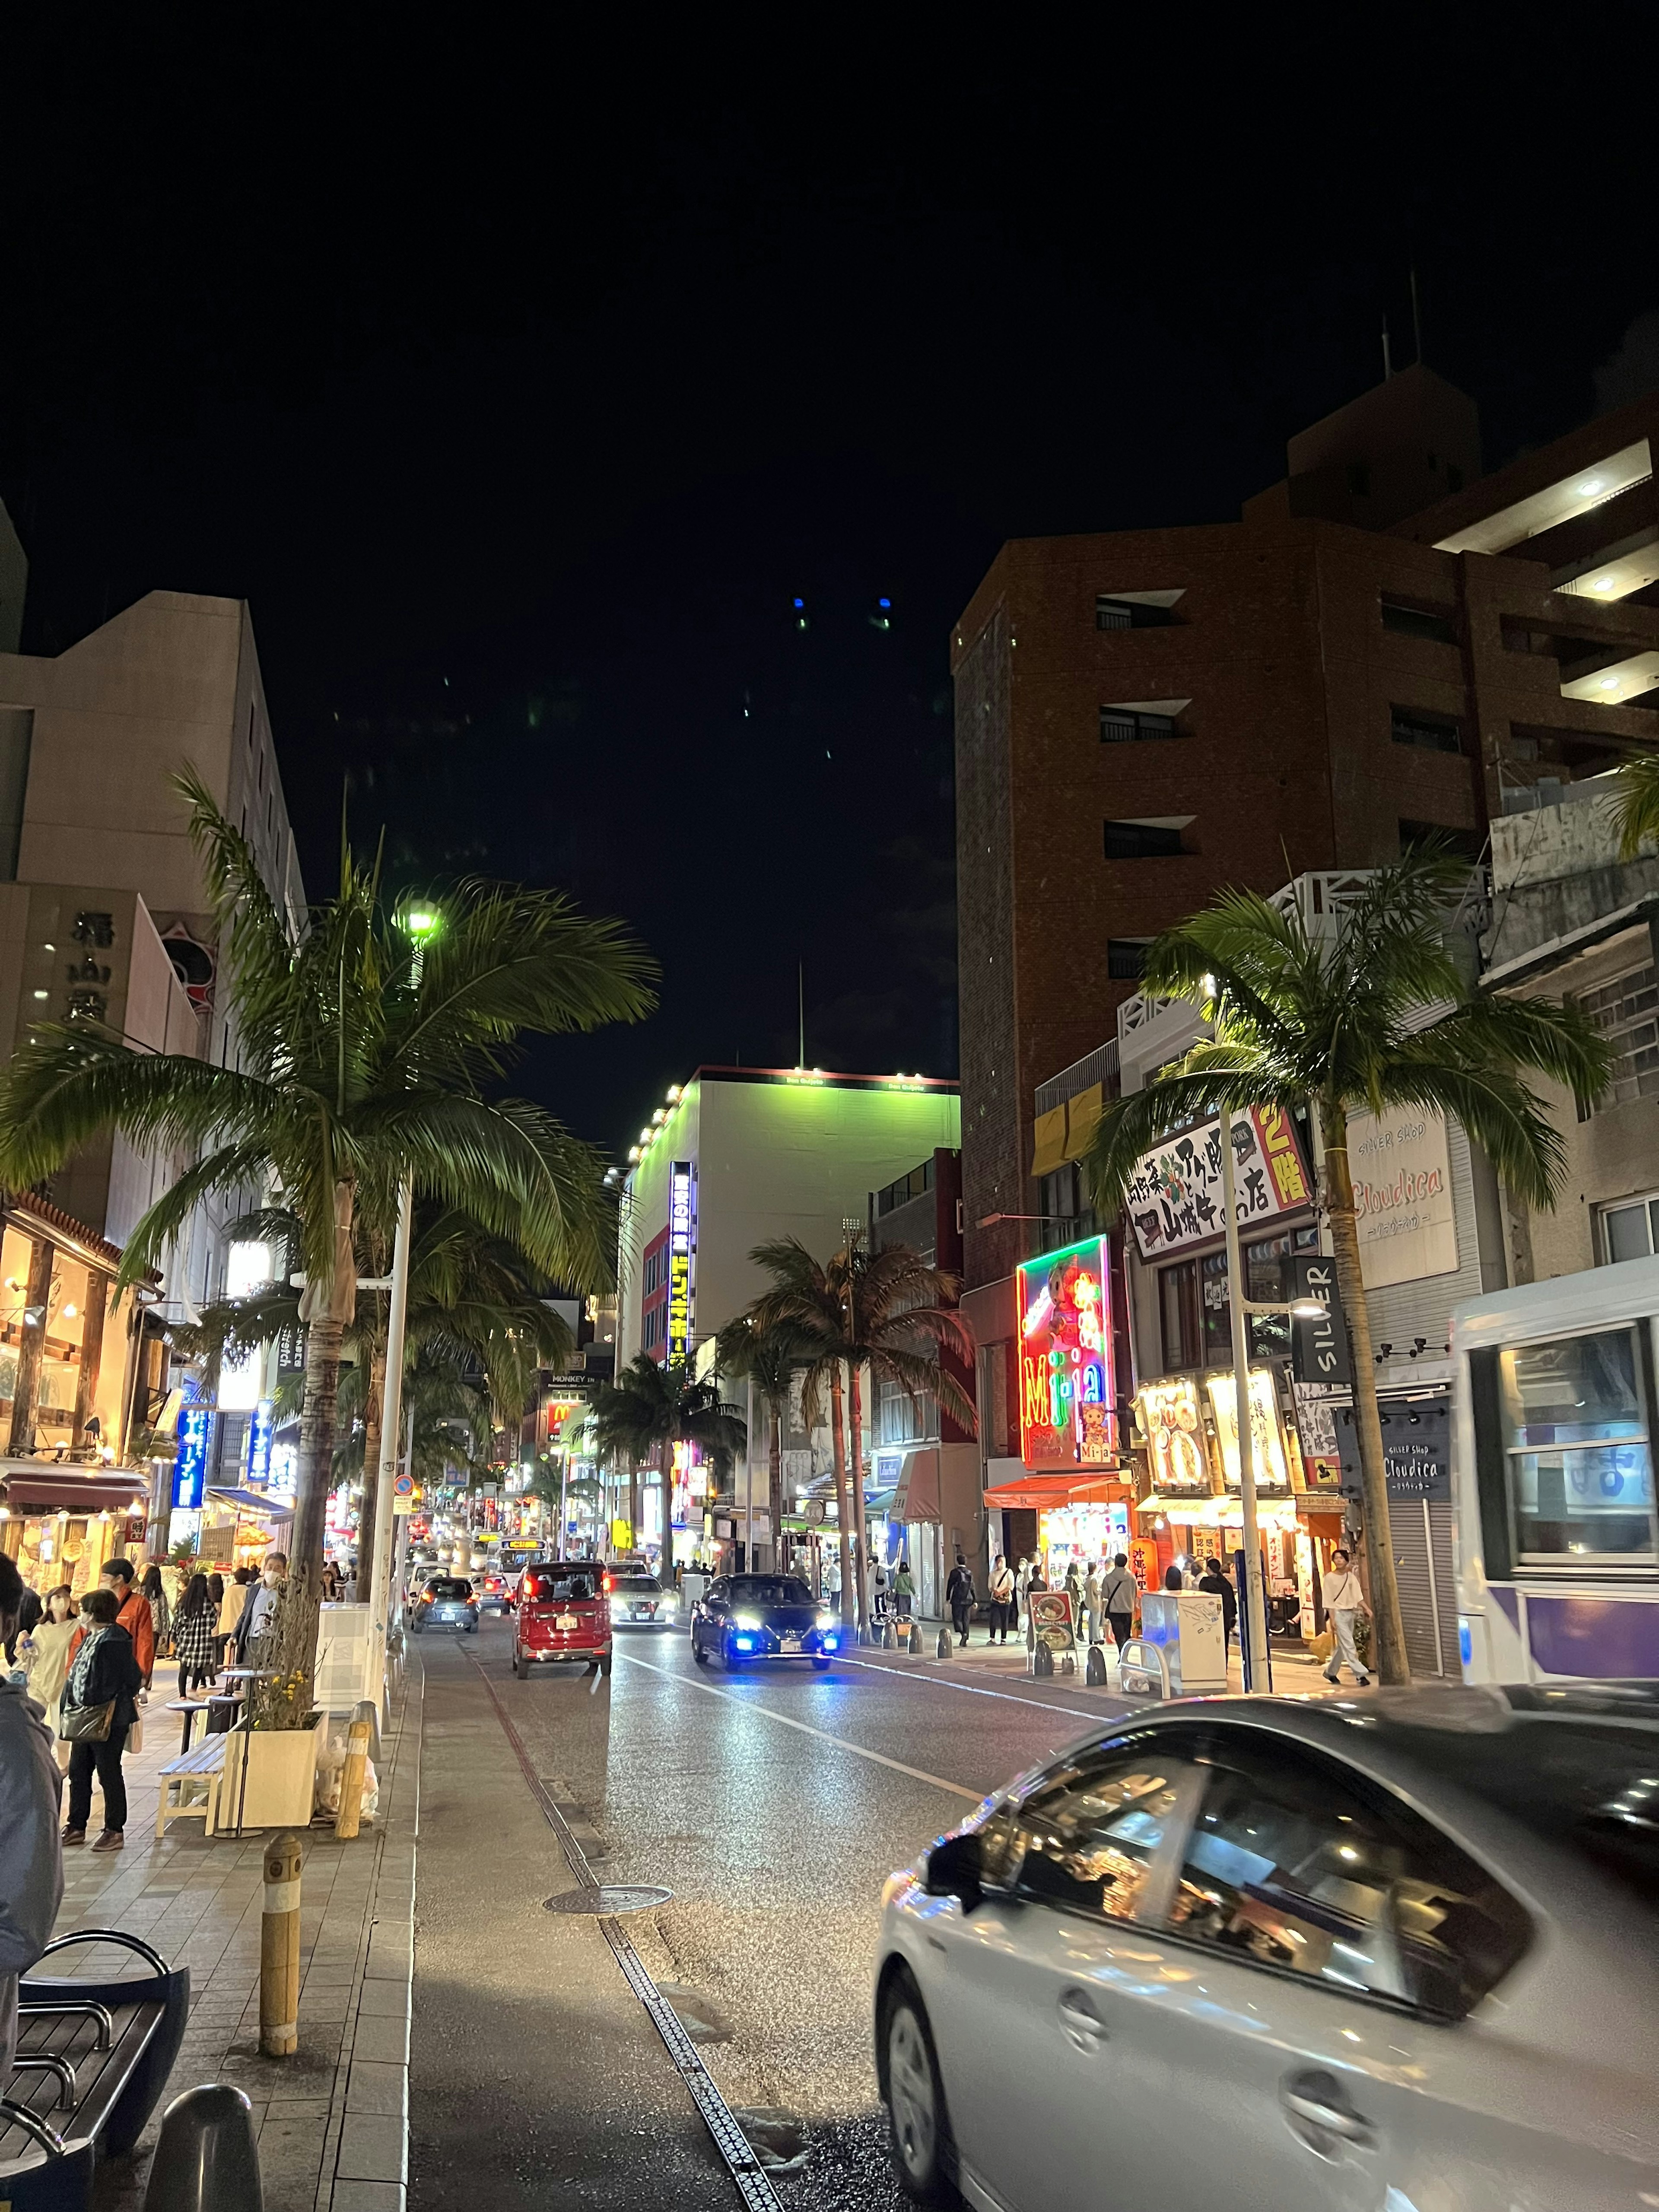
(85, 1723)
(1324, 1644)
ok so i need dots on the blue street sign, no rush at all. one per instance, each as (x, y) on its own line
(190, 1467)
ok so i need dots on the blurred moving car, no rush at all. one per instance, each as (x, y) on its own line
(447, 1601)
(745, 1618)
(427, 1572)
(494, 1591)
(1403, 1951)
(638, 1600)
(561, 1612)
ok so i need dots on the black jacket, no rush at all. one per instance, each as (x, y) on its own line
(1218, 1586)
(959, 1589)
(114, 1674)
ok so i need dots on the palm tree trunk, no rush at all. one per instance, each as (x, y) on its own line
(666, 1499)
(294, 1658)
(1387, 1627)
(633, 1502)
(843, 1507)
(855, 1425)
(366, 1518)
(775, 1483)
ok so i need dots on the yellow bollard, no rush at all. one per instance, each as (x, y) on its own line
(279, 1951)
(347, 1820)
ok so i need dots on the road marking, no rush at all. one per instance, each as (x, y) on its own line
(973, 1690)
(783, 1720)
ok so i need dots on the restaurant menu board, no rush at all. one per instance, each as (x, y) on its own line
(1273, 1470)
(1051, 1624)
(1174, 1196)
(1174, 1430)
(1066, 1393)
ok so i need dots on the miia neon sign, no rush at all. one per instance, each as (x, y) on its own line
(1066, 1396)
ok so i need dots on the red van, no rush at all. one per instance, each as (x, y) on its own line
(562, 1611)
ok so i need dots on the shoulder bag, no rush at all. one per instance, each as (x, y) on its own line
(86, 1724)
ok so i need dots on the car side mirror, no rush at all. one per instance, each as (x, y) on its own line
(953, 1868)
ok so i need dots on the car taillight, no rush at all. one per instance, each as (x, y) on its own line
(604, 1584)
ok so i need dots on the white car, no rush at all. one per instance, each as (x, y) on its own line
(1396, 1955)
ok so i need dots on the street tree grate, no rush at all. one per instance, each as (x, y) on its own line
(615, 1897)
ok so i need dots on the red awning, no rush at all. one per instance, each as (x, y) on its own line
(33, 1486)
(1059, 1489)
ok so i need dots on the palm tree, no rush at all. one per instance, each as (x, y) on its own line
(1636, 806)
(1347, 1019)
(767, 1358)
(649, 1409)
(355, 1066)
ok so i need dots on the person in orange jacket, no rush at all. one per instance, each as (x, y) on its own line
(134, 1614)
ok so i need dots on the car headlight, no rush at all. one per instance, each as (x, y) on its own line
(747, 1620)
(828, 1620)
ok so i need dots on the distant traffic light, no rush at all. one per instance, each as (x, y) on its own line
(881, 614)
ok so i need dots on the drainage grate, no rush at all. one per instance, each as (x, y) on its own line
(617, 1897)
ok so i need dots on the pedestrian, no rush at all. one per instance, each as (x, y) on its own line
(98, 1707)
(153, 1589)
(233, 1595)
(1022, 1584)
(1075, 1592)
(1217, 1585)
(1345, 1601)
(196, 1635)
(132, 1613)
(27, 1615)
(1118, 1593)
(1002, 1599)
(1036, 1580)
(45, 1652)
(959, 1597)
(1092, 1601)
(878, 1586)
(1173, 1578)
(31, 1856)
(904, 1591)
(258, 1623)
(331, 1582)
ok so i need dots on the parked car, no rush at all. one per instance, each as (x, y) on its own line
(1401, 1949)
(561, 1612)
(447, 1601)
(745, 1618)
(638, 1600)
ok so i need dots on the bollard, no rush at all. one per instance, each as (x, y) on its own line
(888, 1640)
(916, 1639)
(946, 1646)
(1043, 1660)
(279, 1951)
(349, 1816)
(1095, 1676)
(206, 2160)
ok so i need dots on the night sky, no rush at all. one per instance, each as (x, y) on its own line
(523, 385)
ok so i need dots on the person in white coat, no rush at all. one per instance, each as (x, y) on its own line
(31, 1855)
(1092, 1606)
(1345, 1601)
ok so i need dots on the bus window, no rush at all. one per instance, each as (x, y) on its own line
(1577, 1451)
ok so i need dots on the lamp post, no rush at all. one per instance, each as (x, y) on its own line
(421, 924)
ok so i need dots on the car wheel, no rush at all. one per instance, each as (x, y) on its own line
(697, 1651)
(821, 1666)
(472, 1628)
(919, 2127)
(729, 1659)
(520, 1664)
(417, 1627)
(605, 1667)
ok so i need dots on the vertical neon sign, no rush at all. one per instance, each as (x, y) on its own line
(679, 1260)
(1066, 1400)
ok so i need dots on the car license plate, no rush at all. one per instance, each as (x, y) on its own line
(789, 1642)
(566, 1620)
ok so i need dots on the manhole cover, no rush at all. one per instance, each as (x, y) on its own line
(613, 1896)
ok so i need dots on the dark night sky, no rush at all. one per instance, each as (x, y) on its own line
(521, 385)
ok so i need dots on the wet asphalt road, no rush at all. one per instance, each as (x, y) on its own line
(773, 1805)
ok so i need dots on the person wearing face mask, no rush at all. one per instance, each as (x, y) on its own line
(258, 1620)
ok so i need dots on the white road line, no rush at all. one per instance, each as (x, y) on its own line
(973, 1690)
(745, 1705)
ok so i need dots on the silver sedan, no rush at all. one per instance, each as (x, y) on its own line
(1395, 1955)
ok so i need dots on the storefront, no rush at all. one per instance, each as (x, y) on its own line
(1082, 1518)
(61, 1524)
(238, 1527)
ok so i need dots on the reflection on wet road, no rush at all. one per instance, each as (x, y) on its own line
(773, 1805)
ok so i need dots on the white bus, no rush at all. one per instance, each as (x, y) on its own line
(1553, 1441)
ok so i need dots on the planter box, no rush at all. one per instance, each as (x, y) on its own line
(281, 1778)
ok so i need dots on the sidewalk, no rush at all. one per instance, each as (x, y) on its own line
(332, 2120)
(1296, 1673)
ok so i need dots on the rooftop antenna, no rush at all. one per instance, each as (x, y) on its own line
(1417, 319)
(801, 979)
(1387, 360)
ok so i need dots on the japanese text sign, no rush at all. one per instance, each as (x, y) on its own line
(679, 1260)
(1174, 1196)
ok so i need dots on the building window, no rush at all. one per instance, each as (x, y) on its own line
(1141, 841)
(1434, 734)
(1126, 958)
(1419, 622)
(1127, 726)
(1631, 1230)
(1626, 1012)
(1197, 1313)
(1130, 614)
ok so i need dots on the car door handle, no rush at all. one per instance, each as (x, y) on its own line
(1321, 2114)
(1083, 2027)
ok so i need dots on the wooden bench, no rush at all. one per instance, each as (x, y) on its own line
(190, 1785)
(91, 2060)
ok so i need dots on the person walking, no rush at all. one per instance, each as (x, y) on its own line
(904, 1591)
(1118, 1593)
(132, 1613)
(1092, 1601)
(1002, 1599)
(45, 1652)
(154, 1592)
(959, 1597)
(1345, 1601)
(196, 1635)
(1216, 1582)
(878, 1589)
(31, 1855)
(98, 1707)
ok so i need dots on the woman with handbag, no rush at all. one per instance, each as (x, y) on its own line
(98, 1707)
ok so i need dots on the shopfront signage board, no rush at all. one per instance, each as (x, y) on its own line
(1273, 1470)
(1174, 1429)
(190, 1463)
(1400, 1166)
(1416, 1449)
(1051, 1624)
(1319, 1346)
(1066, 1397)
(679, 1260)
(1173, 1197)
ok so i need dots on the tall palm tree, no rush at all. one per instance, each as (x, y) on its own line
(356, 1064)
(767, 1358)
(649, 1409)
(1635, 803)
(1347, 1018)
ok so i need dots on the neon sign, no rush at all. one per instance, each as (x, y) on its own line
(190, 1466)
(679, 1260)
(259, 1432)
(1066, 1400)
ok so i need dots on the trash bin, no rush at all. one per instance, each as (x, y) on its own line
(222, 1715)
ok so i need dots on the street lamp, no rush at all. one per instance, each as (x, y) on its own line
(421, 925)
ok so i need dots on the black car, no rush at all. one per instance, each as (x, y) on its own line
(749, 1616)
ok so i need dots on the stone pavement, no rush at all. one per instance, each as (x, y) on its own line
(332, 2120)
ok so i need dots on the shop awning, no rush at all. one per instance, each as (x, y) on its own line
(1048, 1142)
(915, 1494)
(43, 1487)
(1082, 1120)
(1100, 1488)
(253, 1501)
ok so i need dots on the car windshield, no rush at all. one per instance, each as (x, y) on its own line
(636, 1586)
(563, 1585)
(769, 1589)
(449, 1586)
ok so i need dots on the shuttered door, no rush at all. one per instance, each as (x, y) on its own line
(1445, 1583)
(1423, 1569)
